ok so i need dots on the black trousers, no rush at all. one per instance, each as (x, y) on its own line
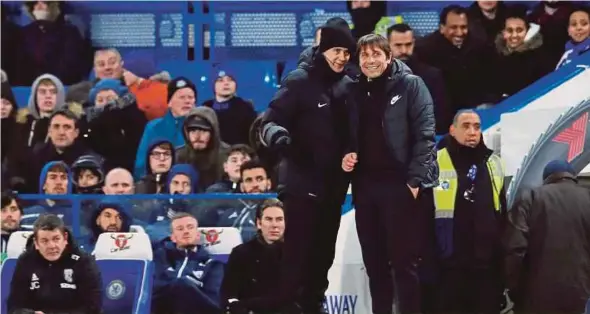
(308, 253)
(391, 227)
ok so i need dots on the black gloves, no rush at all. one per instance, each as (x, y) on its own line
(275, 136)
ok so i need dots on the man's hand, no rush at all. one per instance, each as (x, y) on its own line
(130, 78)
(349, 161)
(39, 312)
(414, 191)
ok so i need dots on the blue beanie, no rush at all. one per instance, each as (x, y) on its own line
(107, 84)
(557, 166)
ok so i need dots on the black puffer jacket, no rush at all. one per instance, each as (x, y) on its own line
(547, 243)
(408, 124)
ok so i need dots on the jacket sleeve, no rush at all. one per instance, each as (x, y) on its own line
(422, 171)
(162, 277)
(140, 158)
(283, 106)
(515, 241)
(90, 286)
(232, 279)
(19, 297)
(151, 98)
(212, 286)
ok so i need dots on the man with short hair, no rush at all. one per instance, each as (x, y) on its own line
(238, 154)
(118, 181)
(54, 275)
(187, 279)
(12, 211)
(402, 41)
(182, 96)
(395, 169)
(470, 205)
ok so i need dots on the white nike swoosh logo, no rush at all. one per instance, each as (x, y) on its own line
(320, 105)
(395, 99)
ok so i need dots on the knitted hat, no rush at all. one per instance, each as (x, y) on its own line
(180, 83)
(336, 36)
(107, 84)
(557, 166)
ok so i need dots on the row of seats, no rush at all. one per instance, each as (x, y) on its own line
(126, 264)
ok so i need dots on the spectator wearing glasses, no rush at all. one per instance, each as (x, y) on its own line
(470, 202)
(159, 160)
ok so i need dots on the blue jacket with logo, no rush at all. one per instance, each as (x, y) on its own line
(167, 127)
(61, 208)
(183, 276)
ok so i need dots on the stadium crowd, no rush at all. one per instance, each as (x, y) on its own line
(130, 131)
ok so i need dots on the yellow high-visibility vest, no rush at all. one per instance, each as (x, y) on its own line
(446, 192)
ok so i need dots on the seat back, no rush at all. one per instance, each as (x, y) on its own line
(6, 273)
(125, 262)
(17, 243)
(219, 242)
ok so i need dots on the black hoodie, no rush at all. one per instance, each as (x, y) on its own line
(72, 284)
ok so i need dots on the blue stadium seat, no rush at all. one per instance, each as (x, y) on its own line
(16, 246)
(127, 271)
(6, 273)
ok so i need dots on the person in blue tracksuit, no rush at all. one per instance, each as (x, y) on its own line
(111, 215)
(187, 279)
(182, 95)
(55, 179)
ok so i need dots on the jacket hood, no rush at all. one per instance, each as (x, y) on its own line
(532, 41)
(32, 107)
(187, 170)
(44, 171)
(92, 163)
(116, 203)
(210, 154)
(9, 95)
(152, 144)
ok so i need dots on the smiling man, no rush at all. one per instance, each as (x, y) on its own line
(395, 169)
(309, 114)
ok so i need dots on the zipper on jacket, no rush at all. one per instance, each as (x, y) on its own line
(183, 266)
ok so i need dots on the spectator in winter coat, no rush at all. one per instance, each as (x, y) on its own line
(47, 97)
(547, 245)
(553, 17)
(55, 276)
(486, 20)
(252, 268)
(521, 57)
(52, 45)
(12, 142)
(150, 93)
(110, 215)
(88, 175)
(114, 124)
(579, 31)
(12, 212)
(203, 148)
(187, 279)
(402, 41)
(238, 154)
(458, 54)
(182, 96)
(159, 160)
(235, 114)
(55, 179)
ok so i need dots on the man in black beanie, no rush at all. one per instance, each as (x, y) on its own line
(307, 122)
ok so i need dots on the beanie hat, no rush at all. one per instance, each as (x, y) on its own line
(557, 166)
(336, 36)
(180, 83)
(7, 94)
(337, 22)
(107, 84)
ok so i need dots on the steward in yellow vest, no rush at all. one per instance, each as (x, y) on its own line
(469, 205)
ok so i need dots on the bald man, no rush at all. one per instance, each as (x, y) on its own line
(118, 181)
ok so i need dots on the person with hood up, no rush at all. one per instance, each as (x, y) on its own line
(470, 206)
(52, 45)
(55, 179)
(53, 275)
(182, 96)
(547, 245)
(159, 160)
(579, 32)
(486, 20)
(392, 155)
(252, 266)
(187, 279)
(88, 175)
(203, 148)
(521, 58)
(110, 215)
(235, 114)
(308, 122)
